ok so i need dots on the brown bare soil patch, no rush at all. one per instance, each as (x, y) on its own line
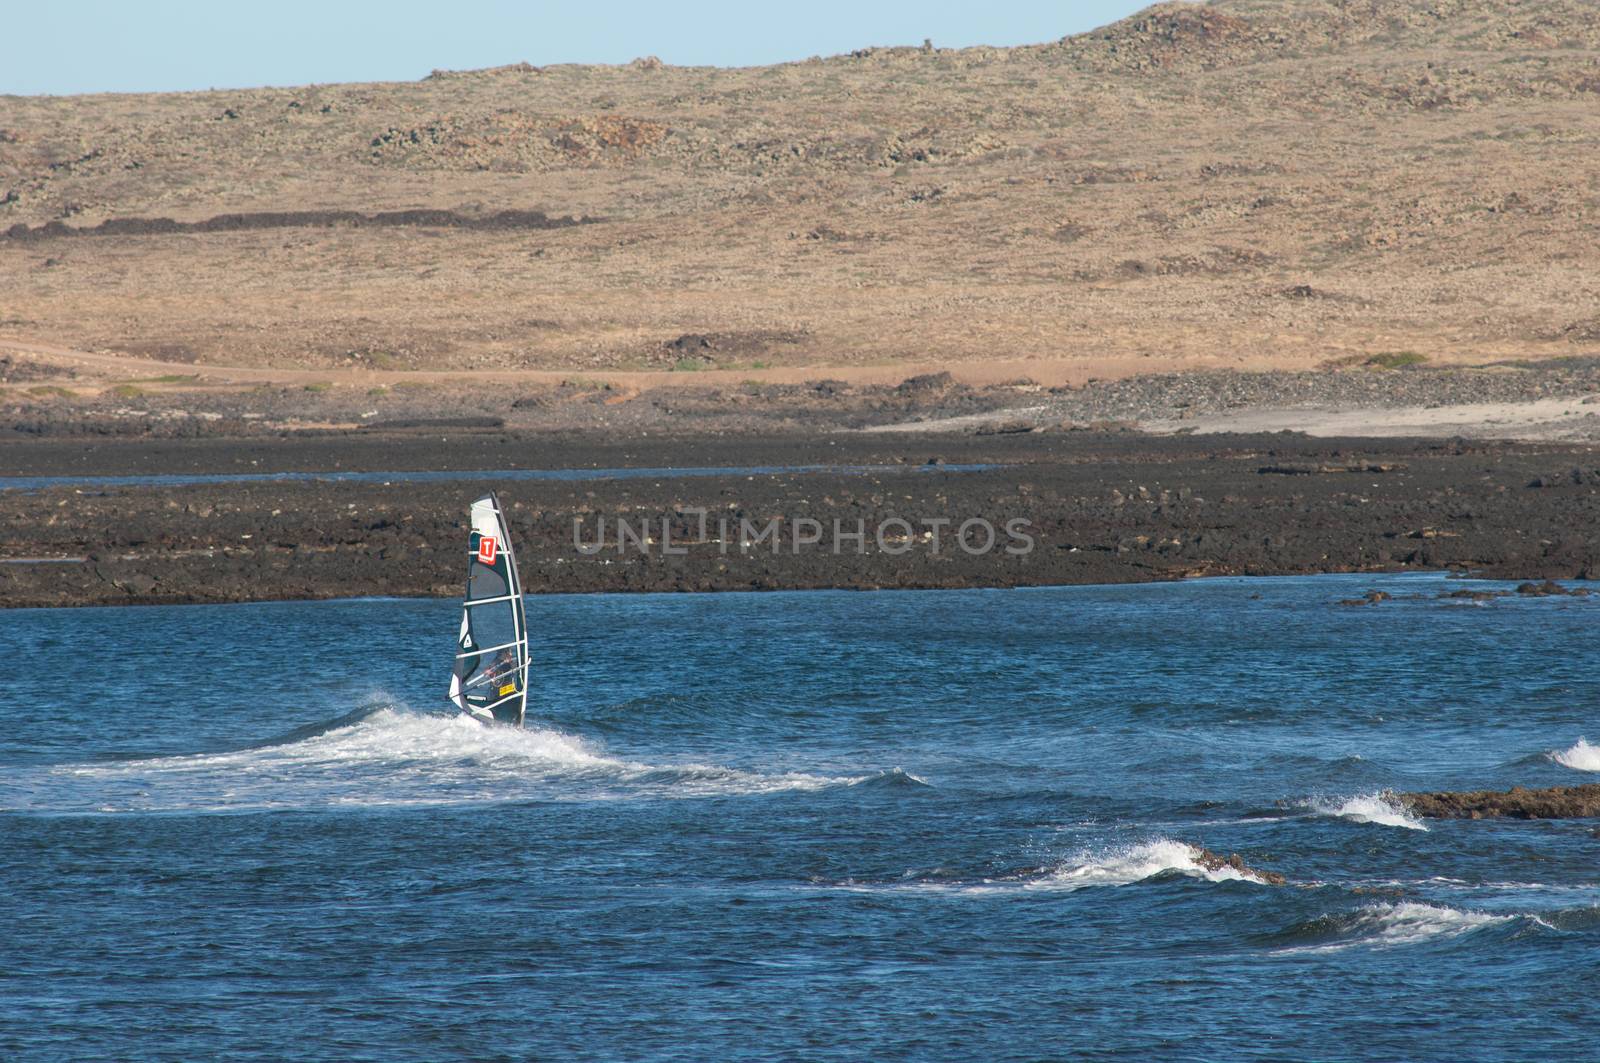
(1244, 183)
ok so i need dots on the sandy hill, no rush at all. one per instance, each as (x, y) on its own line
(1244, 182)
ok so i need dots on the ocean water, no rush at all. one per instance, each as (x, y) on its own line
(925, 825)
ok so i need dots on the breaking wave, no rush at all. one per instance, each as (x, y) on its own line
(1368, 808)
(1580, 756)
(385, 756)
(1387, 926)
(1124, 866)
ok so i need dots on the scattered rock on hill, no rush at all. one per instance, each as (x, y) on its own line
(926, 384)
(16, 371)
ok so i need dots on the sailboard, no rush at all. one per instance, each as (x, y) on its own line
(490, 681)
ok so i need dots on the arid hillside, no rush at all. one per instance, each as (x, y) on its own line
(1242, 183)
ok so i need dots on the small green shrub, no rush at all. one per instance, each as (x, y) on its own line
(1396, 360)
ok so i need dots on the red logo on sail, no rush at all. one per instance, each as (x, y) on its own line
(487, 548)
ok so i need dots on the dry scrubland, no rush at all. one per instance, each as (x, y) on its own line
(1247, 183)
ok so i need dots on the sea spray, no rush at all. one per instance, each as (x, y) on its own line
(1580, 756)
(390, 756)
(1379, 808)
(1134, 863)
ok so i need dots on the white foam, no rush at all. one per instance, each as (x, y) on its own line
(1368, 808)
(388, 739)
(394, 757)
(1135, 863)
(1405, 923)
(1119, 866)
(708, 780)
(1580, 756)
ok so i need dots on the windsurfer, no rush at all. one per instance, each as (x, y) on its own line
(505, 663)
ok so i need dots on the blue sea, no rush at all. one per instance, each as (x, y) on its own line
(809, 826)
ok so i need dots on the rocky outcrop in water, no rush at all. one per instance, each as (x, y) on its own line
(1370, 598)
(1556, 802)
(1211, 861)
(1551, 589)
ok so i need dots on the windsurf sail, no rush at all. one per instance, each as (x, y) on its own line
(491, 668)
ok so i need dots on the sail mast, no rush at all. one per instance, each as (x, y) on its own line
(519, 611)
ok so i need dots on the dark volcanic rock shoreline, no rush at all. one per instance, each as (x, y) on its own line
(1110, 508)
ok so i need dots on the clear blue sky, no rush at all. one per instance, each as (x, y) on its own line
(67, 46)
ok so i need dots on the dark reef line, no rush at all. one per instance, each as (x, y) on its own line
(1554, 802)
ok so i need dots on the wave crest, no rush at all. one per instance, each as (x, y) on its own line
(1136, 863)
(1389, 925)
(1379, 808)
(1580, 756)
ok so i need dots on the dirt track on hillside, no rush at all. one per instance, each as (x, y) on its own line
(95, 369)
(47, 390)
